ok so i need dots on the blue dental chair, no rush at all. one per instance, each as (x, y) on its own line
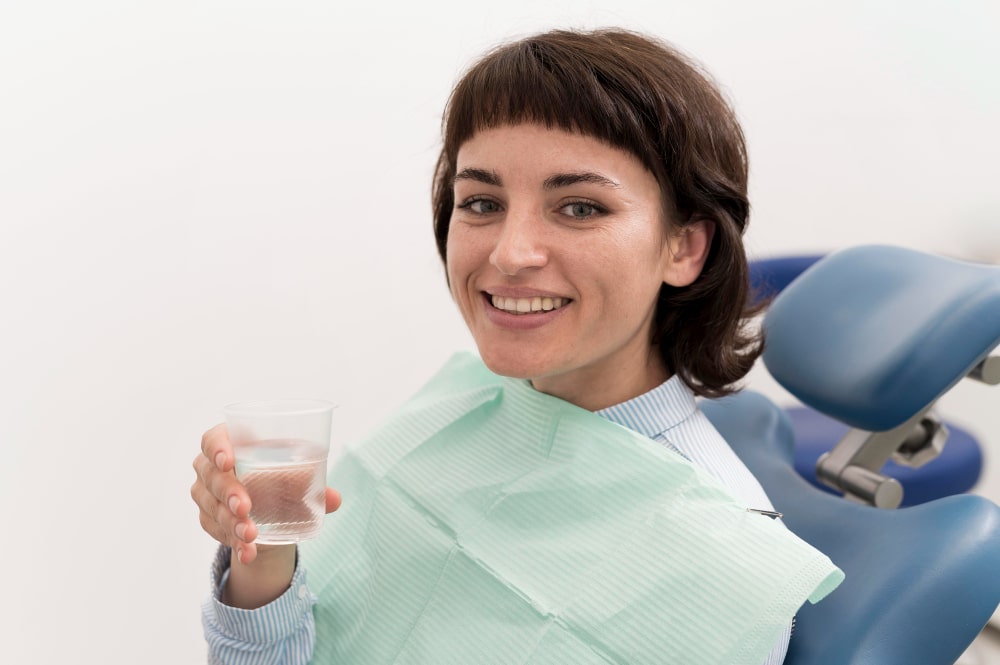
(954, 470)
(872, 337)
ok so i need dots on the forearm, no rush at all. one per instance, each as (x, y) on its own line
(282, 631)
(254, 585)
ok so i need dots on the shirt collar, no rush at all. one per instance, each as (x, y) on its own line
(654, 412)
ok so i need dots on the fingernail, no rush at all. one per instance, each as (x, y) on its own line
(239, 554)
(234, 503)
(220, 460)
(241, 531)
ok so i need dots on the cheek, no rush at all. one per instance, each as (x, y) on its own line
(454, 279)
(633, 274)
(466, 249)
(650, 251)
(635, 256)
(456, 265)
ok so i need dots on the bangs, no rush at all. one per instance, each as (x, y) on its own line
(551, 85)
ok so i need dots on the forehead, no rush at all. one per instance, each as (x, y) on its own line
(532, 150)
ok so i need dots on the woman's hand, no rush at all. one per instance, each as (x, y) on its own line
(224, 510)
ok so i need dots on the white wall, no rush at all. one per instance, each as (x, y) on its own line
(208, 201)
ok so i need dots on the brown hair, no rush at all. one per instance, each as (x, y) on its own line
(638, 94)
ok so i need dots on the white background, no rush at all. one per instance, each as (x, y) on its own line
(203, 202)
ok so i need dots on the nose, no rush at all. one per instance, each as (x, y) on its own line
(520, 245)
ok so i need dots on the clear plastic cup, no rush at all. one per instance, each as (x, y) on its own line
(282, 448)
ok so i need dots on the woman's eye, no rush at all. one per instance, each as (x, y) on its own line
(580, 209)
(481, 206)
(485, 206)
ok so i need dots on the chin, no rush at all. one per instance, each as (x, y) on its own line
(513, 365)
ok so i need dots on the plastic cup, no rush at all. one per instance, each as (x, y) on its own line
(282, 448)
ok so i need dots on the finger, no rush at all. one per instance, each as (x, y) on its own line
(212, 528)
(242, 534)
(245, 552)
(218, 521)
(333, 499)
(209, 514)
(215, 446)
(215, 511)
(223, 486)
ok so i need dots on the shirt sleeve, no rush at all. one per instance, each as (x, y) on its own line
(283, 631)
(780, 650)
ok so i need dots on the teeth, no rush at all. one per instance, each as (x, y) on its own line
(527, 305)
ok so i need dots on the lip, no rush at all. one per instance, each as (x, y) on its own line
(521, 292)
(527, 321)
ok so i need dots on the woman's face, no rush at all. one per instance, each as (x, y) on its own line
(557, 248)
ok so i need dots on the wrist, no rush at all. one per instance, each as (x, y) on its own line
(258, 583)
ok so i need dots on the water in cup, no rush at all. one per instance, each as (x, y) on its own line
(286, 481)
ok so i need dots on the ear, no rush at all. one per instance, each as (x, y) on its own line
(686, 251)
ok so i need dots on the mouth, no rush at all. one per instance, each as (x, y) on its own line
(522, 306)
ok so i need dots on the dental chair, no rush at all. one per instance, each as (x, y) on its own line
(872, 337)
(953, 470)
(769, 276)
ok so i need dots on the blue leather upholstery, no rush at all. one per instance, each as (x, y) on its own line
(871, 335)
(769, 276)
(921, 582)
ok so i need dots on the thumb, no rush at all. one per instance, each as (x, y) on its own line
(332, 499)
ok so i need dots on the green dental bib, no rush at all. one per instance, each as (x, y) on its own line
(486, 523)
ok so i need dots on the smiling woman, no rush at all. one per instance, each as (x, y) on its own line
(561, 498)
(549, 215)
(647, 100)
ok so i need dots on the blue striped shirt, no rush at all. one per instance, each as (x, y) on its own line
(284, 630)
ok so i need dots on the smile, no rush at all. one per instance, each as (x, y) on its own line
(527, 305)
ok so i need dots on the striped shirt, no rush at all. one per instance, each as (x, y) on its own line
(284, 630)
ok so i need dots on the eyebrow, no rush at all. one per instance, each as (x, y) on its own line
(552, 182)
(566, 179)
(479, 175)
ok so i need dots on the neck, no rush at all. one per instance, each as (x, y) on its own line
(598, 390)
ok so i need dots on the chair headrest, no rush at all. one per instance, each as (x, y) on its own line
(873, 334)
(770, 276)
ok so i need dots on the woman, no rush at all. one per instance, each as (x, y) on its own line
(589, 203)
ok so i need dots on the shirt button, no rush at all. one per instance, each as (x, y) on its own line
(303, 592)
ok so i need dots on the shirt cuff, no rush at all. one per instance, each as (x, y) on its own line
(285, 615)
